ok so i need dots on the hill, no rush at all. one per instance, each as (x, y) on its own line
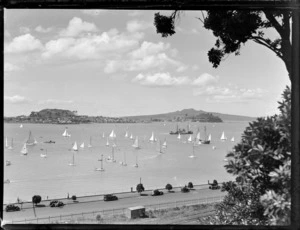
(191, 115)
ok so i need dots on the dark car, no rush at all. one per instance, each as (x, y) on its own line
(156, 192)
(56, 203)
(185, 189)
(12, 208)
(109, 197)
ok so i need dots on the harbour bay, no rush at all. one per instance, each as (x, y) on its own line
(52, 177)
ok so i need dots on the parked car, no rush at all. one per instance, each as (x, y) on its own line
(109, 197)
(185, 189)
(214, 185)
(12, 208)
(156, 192)
(56, 203)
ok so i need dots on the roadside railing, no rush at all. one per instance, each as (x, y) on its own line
(114, 212)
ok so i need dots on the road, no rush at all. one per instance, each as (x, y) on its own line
(96, 203)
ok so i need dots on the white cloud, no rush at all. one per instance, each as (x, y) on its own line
(160, 79)
(40, 29)
(135, 13)
(55, 101)
(8, 67)
(17, 99)
(94, 12)
(134, 26)
(205, 79)
(149, 48)
(23, 43)
(77, 26)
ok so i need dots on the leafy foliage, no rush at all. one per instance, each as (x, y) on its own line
(190, 185)
(261, 163)
(140, 188)
(74, 197)
(36, 199)
(169, 187)
(164, 24)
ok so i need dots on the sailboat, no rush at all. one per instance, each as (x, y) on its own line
(44, 155)
(232, 139)
(152, 138)
(90, 144)
(136, 164)
(190, 139)
(198, 136)
(24, 150)
(223, 137)
(82, 145)
(131, 137)
(66, 134)
(100, 169)
(75, 148)
(107, 143)
(112, 134)
(103, 135)
(159, 147)
(205, 141)
(21, 126)
(6, 143)
(73, 161)
(111, 158)
(31, 140)
(164, 145)
(136, 143)
(179, 137)
(126, 134)
(193, 154)
(12, 144)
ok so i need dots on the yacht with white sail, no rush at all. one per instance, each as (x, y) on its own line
(111, 158)
(82, 145)
(75, 148)
(24, 150)
(223, 137)
(66, 134)
(136, 143)
(152, 139)
(31, 140)
(112, 134)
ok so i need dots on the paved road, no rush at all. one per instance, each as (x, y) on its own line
(96, 203)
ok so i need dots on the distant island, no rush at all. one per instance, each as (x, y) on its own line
(60, 116)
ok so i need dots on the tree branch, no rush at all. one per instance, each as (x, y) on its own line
(263, 42)
(274, 22)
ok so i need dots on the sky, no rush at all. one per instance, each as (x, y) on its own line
(113, 63)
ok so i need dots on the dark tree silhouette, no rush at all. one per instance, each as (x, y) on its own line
(233, 28)
(169, 187)
(36, 199)
(190, 185)
(140, 188)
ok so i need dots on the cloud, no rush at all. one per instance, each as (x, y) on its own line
(90, 46)
(23, 43)
(135, 13)
(76, 27)
(40, 29)
(94, 12)
(229, 94)
(8, 67)
(16, 99)
(160, 79)
(205, 79)
(54, 101)
(24, 30)
(149, 48)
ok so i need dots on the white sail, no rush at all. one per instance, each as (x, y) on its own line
(82, 145)
(164, 145)
(6, 142)
(131, 137)
(107, 143)
(198, 136)
(65, 134)
(112, 134)
(24, 150)
(190, 138)
(75, 148)
(223, 137)
(152, 138)
(126, 134)
(21, 126)
(103, 135)
(178, 137)
(209, 137)
(136, 143)
(44, 155)
(232, 139)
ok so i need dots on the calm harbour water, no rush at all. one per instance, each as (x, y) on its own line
(53, 177)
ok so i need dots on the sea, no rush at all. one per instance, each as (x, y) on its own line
(52, 177)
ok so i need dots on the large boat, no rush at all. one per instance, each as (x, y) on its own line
(31, 140)
(181, 131)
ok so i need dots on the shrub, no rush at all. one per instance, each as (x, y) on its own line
(190, 185)
(140, 188)
(74, 197)
(169, 187)
(36, 199)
